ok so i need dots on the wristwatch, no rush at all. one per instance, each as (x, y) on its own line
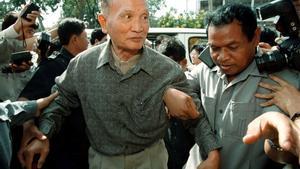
(295, 116)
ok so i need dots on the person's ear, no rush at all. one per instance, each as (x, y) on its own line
(102, 22)
(256, 37)
(73, 39)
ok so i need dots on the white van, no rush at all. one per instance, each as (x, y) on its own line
(188, 36)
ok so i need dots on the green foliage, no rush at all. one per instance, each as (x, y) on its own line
(182, 20)
(85, 10)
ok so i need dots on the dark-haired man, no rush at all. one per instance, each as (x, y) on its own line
(69, 148)
(121, 86)
(227, 90)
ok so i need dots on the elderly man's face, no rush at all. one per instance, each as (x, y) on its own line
(127, 24)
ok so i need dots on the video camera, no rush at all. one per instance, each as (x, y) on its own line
(288, 24)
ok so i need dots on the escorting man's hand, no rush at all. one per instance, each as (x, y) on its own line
(180, 104)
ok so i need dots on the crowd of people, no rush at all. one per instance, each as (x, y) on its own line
(112, 101)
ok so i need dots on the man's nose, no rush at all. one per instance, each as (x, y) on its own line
(223, 55)
(137, 25)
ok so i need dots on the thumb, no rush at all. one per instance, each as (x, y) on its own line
(39, 135)
(253, 132)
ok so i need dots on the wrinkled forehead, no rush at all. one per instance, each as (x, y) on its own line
(106, 5)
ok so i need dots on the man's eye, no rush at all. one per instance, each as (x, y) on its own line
(234, 47)
(214, 48)
(127, 16)
(146, 17)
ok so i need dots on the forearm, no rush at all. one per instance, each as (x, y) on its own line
(10, 33)
(51, 119)
(205, 137)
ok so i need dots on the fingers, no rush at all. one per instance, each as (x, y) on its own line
(269, 86)
(285, 137)
(44, 102)
(253, 132)
(42, 159)
(21, 156)
(270, 125)
(52, 96)
(280, 81)
(267, 103)
(39, 135)
(265, 46)
(28, 159)
(264, 96)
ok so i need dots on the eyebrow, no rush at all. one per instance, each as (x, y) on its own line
(228, 44)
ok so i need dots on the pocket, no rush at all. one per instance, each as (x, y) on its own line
(148, 114)
(209, 106)
(241, 114)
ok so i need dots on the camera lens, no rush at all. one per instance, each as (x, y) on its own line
(271, 62)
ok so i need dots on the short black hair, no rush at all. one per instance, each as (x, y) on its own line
(97, 34)
(69, 27)
(174, 49)
(228, 13)
(199, 48)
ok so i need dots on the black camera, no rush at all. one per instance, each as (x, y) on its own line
(44, 41)
(288, 24)
(19, 57)
(31, 7)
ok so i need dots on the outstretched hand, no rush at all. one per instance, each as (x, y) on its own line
(275, 126)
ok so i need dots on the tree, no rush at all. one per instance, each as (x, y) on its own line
(182, 20)
(85, 10)
(154, 6)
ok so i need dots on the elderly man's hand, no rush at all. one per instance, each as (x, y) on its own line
(180, 105)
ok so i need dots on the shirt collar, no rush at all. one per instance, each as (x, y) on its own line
(66, 54)
(104, 54)
(144, 63)
(146, 60)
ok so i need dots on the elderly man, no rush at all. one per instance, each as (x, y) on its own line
(121, 86)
